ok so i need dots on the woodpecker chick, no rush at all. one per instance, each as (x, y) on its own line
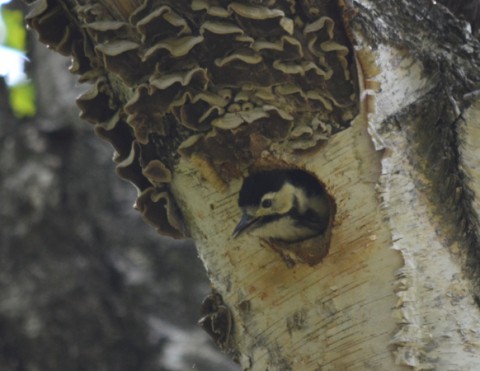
(288, 205)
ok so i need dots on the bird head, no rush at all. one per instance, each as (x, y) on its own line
(284, 204)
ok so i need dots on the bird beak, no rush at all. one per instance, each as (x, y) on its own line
(243, 224)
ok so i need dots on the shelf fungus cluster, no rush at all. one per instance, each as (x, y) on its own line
(218, 82)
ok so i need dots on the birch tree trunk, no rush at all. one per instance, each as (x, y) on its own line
(399, 286)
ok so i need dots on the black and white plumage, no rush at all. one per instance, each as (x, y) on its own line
(289, 205)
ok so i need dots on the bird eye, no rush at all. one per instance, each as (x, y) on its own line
(266, 203)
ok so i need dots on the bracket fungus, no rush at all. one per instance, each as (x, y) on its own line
(218, 83)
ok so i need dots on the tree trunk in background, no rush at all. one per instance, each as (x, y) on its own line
(85, 284)
(399, 285)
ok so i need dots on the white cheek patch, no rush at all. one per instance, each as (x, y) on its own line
(283, 200)
(261, 211)
(281, 203)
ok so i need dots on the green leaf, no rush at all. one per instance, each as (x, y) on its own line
(22, 100)
(16, 32)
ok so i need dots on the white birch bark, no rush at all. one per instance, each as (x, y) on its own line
(392, 292)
